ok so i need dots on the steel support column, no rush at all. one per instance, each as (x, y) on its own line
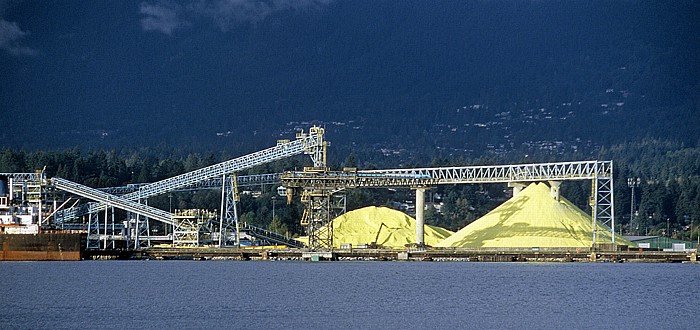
(228, 222)
(420, 218)
(320, 208)
(93, 238)
(602, 203)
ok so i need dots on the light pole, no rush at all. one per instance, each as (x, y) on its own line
(273, 207)
(633, 183)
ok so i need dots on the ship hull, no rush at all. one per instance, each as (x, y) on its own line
(42, 247)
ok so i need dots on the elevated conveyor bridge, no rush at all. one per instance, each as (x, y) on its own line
(213, 183)
(311, 144)
(222, 174)
(111, 200)
(584, 170)
(305, 143)
(318, 187)
(580, 170)
(270, 236)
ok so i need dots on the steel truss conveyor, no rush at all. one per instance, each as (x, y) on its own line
(318, 187)
(311, 144)
(111, 200)
(581, 170)
(599, 172)
(584, 170)
(270, 236)
(213, 183)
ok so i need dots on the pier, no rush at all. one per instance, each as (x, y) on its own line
(438, 255)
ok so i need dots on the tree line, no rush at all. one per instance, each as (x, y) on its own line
(667, 196)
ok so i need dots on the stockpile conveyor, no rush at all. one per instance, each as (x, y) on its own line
(311, 144)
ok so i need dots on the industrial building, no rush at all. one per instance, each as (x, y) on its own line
(661, 243)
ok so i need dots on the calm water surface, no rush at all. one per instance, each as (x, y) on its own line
(341, 295)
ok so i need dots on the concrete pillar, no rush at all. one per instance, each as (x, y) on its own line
(420, 217)
(289, 192)
(554, 189)
(12, 193)
(517, 187)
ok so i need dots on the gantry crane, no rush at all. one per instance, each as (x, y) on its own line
(318, 188)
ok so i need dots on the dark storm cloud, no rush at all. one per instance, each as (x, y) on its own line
(168, 16)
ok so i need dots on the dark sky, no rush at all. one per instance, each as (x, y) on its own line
(104, 65)
(157, 70)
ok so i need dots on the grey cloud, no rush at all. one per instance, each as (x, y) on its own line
(168, 16)
(10, 34)
(162, 17)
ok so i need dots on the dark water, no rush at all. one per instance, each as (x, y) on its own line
(340, 295)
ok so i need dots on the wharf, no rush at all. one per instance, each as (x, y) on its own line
(470, 255)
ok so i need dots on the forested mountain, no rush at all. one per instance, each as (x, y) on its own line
(466, 77)
(109, 93)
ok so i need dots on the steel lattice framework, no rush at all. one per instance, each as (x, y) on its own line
(111, 200)
(26, 177)
(312, 144)
(321, 207)
(319, 186)
(600, 172)
(228, 223)
(581, 170)
(229, 216)
(213, 183)
(191, 226)
(304, 144)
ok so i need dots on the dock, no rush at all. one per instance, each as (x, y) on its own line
(444, 255)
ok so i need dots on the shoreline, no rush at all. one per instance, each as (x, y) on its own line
(437, 255)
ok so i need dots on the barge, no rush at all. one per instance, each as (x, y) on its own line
(57, 245)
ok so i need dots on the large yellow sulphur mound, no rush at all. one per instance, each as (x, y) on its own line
(395, 228)
(532, 218)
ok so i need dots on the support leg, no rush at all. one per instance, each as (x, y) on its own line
(420, 217)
